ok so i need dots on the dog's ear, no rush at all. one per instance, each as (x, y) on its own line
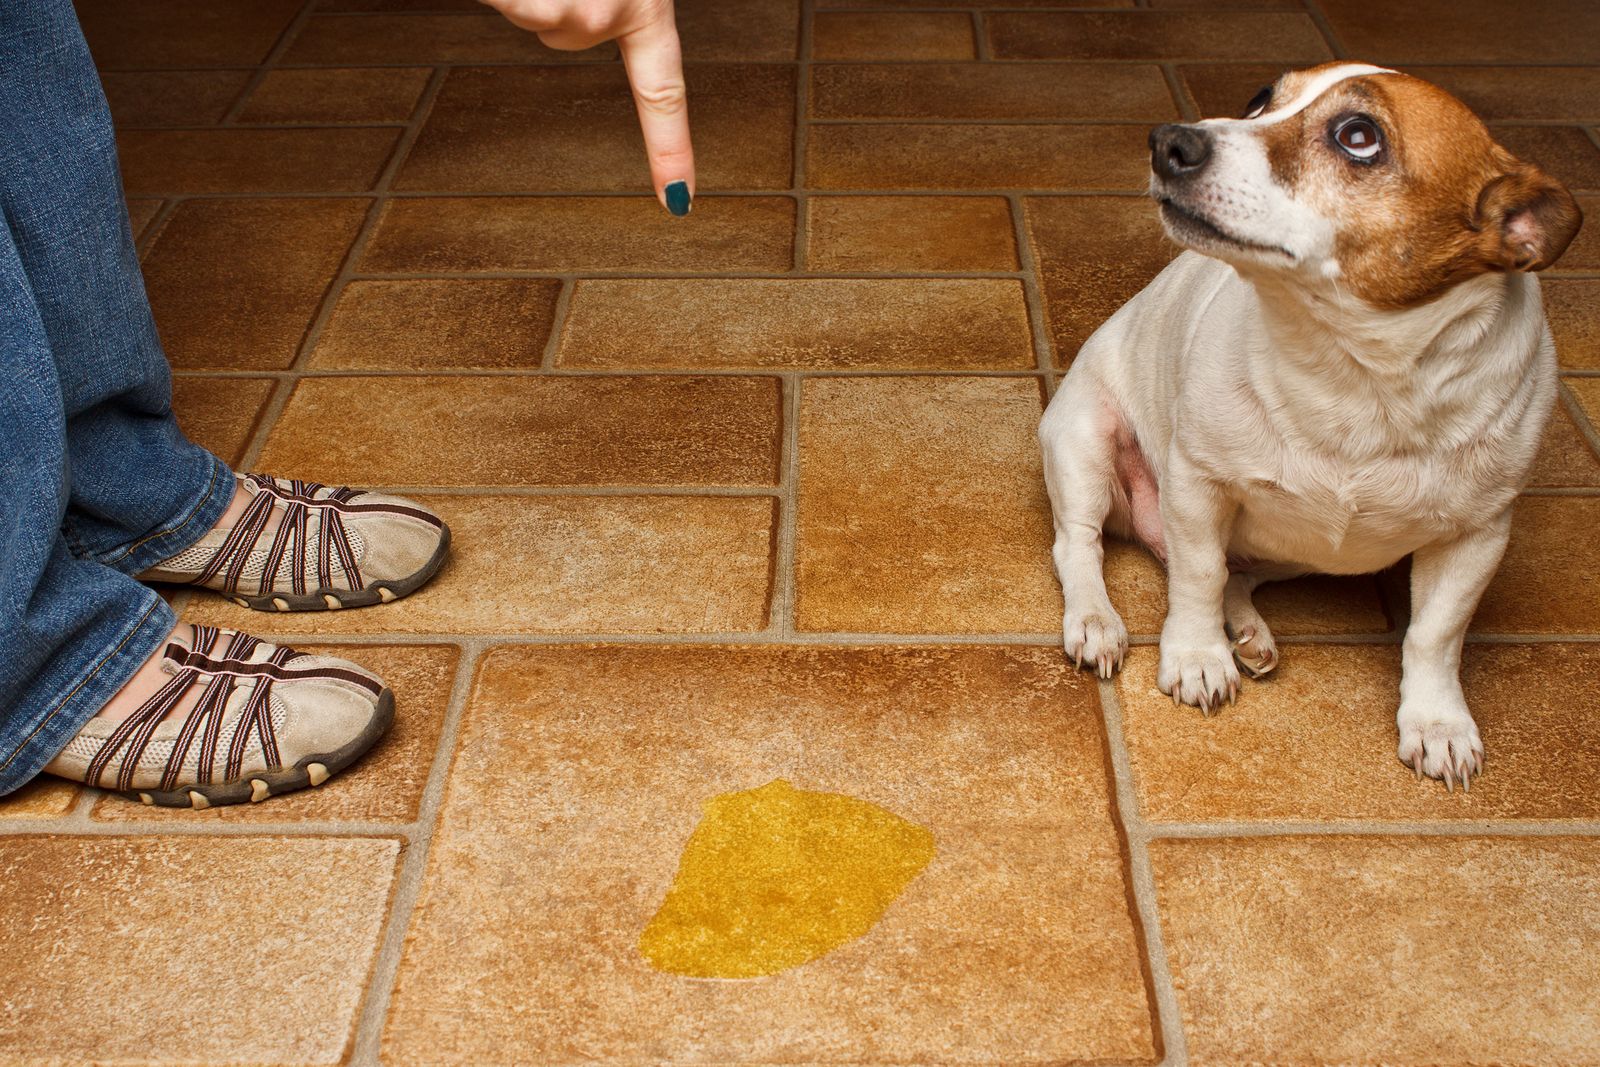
(1526, 218)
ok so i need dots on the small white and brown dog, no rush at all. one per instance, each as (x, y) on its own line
(1351, 365)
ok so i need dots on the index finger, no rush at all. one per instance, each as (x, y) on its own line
(654, 62)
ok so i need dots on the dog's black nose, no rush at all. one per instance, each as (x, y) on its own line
(1179, 151)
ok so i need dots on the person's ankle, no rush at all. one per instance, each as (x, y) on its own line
(147, 681)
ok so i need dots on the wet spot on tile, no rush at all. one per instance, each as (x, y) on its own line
(220, 414)
(910, 233)
(1549, 580)
(368, 95)
(164, 162)
(880, 35)
(995, 91)
(171, 97)
(775, 877)
(887, 156)
(430, 324)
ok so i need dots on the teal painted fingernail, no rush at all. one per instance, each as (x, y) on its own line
(678, 198)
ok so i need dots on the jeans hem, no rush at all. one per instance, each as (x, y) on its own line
(198, 520)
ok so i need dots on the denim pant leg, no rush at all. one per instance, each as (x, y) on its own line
(96, 481)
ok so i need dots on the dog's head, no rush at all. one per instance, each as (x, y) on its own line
(1380, 181)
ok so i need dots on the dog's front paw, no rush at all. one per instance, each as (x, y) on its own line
(1442, 745)
(1097, 639)
(1203, 675)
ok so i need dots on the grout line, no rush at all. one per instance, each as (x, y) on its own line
(261, 70)
(802, 113)
(784, 591)
(558, 325)
(1325, 28)
(1580, 417)
(1033, 297)
(408, 884)
(1188, 108)
(980, 38)
(265, 421)
(146, 238)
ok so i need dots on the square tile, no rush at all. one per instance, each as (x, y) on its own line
(891, 156)
(878, 35)
(1505, 93)
(220, 414)
(581, 233)
(574, 129)
(166, 162)
(1315, 741)
(422, 39)
(43, 798)
(385, 786)
(571, 564)
(922, 508)
(996, 91)
(178, 926)
(481, 323)
(1565, 461)
(1549, 581)
(374, 94)
(1383, 949)
(747, 30)
(1157, 35)
(171, 97)
(1094, 253)
(183, 33)
(521, 431)
(855, 323)
(235, 283)
(909, 233)
(1454, 31)
(1573, 307)
(1014, 945)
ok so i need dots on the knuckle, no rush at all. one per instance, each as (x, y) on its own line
(667, 98)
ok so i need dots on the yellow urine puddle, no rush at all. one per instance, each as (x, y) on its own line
(774, 877)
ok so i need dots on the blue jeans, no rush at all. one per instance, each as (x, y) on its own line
(96, 481)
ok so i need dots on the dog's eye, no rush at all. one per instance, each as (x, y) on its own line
(1258, 103)
(1359, 136)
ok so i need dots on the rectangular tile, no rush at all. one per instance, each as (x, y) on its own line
(1572, 306)
(165, 162)
(1565, 152)
(1315, 741)
(385, 786)
(1157, 35)
(1383, 949)
(878, 35)
(178, 926)
(1221, 90)
(516, 431)
(1587, 393)
(745, 30)
(574, 129)
(235, 283)
(220, 414)
(922, 508)
(420, 6)
(1565, 461)
(855, 323)
(571, 564)
(171, 97)
(1014, 945)
(183, 33)
(997, 91)
(379, 94)
(890, 156)
(1549, 581)
(1094, 253)
(1509, 93)
(909, 233)
(423, 39)
(979, 5)
(581, 233)
(484, 323)
(1583, 254)
(1453, 31)
(43, 798)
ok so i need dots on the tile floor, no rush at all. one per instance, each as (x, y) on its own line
(754, 495)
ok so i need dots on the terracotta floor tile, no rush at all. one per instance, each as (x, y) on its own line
(1516, 93)
(922, 508)
(1014, 944)
(571, 564)
(1573, 308)
(1549, 581)
(997, 91)
(1587, 390)
(1093, 255)
(368, 95)
(420, 6)
(483, 323)
(1316, 740)
(855, 323)
(909, 233)
(1157, 35)
(1453, 31)
(1566, 461)
(1383, 949)
(400, 39)
(578, 233)
(880, 35)
(973, 4)
(927, 156)
(1221, 90)
(183, 33)
(171, 97)
(140, 213)
(162, 162)
(1237, 5)
(386, 785)
(748, 30)
(1566, 152)
(44, 797)
(1316, 604)
(519, 431)
(559, 129)
(179, 926)
(220, 414)
(235, 283)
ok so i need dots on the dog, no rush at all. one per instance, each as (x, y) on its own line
(1347, 365)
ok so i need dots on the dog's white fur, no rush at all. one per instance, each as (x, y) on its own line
(1250, 421)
